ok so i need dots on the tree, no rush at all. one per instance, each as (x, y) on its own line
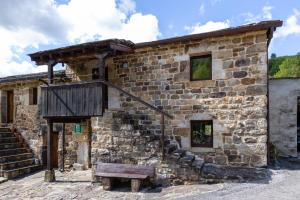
(274, 63)
(290, 67)
(273, 55)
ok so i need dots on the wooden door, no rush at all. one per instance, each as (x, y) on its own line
(10, 106)
(54, 150)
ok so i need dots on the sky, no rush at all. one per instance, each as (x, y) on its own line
(29, 26)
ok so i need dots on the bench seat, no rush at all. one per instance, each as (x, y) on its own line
(121, 175)
(137, 173)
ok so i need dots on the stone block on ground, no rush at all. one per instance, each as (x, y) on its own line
(177, 154)
(198, 163)
(78, 167)
(213, 171)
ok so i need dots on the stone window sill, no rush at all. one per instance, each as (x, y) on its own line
(202, 149)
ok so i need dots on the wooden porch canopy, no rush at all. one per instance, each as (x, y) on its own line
(84, 51)
(59, 102)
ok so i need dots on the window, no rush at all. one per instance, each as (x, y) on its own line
(95, 73)
(202, 133)
(33, 96)
(201, 67)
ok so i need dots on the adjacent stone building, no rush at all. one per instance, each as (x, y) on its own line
(19, 105)
(214, 85)
(285, 116)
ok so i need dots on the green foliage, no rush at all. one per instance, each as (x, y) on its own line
(290, 67)
(201, 68)
(281, 64)
(274, 63)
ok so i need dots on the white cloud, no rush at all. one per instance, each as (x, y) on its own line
(290, 27)
(127, 6)
(209, 26)
(102, 20)
(44, 22)
(266, 14)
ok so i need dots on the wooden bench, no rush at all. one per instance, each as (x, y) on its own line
(137, 173)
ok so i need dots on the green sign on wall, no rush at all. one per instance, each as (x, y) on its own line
(77, 128)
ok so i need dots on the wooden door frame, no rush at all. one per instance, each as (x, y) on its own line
(10, 113)
(55, 151)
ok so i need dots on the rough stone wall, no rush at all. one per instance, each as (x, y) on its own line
(235, 99)
(283, 115)
(26, 117)
(71, 147)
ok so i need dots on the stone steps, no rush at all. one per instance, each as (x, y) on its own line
(8, 152)
(10, 146)
(10, 174)
(16, 159)
(4, 129)
(6, 135)
(188, 165)
(17, 164)
(8, 140)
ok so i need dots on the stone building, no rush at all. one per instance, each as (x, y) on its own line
(285, 116)
(174, 103)
(19, 105)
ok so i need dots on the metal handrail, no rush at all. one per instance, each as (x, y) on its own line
(119, 89)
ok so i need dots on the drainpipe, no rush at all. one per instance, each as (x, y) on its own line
(269, 36)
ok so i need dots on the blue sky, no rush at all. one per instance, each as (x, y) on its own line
(179, 13)
(50, 24)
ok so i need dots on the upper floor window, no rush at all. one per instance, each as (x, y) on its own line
(201, 67)
(33, 96)
(95, 73)
(202, 133)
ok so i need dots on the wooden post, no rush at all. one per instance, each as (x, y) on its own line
(49, 173)
(162, 124)
(106, 183)
(50, 72)
(63, 147)
(135, 185)
(101, 68)
(49, 144)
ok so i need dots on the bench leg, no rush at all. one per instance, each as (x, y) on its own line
(106, 182)
(135, 185)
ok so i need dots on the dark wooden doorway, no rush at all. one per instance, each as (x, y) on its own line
(54, 150)
(10, 106)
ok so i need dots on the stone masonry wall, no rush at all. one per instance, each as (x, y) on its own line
(235, 99)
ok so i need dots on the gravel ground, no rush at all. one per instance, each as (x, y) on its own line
(283, 184)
